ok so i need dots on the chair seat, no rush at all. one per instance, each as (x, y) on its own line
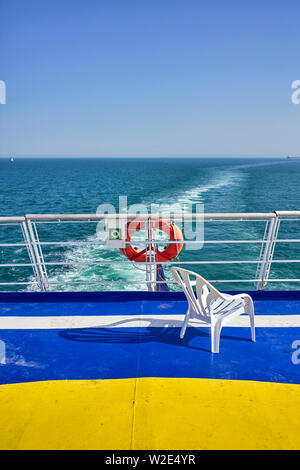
(220, 307)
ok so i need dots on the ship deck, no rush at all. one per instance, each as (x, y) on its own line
(107, 370)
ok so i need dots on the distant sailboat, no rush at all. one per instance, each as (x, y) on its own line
(12, 159)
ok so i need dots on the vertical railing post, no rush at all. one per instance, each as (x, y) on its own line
(267, 251)
(39, 258)
(150, 257)
(31, 254)
(153, 258)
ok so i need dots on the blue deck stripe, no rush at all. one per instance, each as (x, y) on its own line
(125, 296)
(103, 353)
(159, 307)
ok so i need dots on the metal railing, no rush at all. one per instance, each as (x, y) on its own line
(36, 260)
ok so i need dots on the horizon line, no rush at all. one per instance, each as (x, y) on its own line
(137, 157)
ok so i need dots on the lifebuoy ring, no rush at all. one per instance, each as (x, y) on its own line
(170, 252)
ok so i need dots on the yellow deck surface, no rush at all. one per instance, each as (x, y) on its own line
(150, 413)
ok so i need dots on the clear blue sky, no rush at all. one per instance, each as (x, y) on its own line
(149, 77)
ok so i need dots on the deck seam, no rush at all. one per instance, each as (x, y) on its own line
(136, 382)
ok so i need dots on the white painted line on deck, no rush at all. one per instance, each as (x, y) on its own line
(135, 321)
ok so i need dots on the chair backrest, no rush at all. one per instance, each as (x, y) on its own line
(201, 300)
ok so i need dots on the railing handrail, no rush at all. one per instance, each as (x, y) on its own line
(213, 215)
(287, 213)
(11, 219)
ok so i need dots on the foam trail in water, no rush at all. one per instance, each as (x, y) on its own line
(253, 165)
(77, 274)
(195, 194)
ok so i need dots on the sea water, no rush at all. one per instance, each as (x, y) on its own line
(45, 185)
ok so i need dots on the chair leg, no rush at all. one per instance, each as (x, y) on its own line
(249, 308)
(252, 324)
(185, 324)
(215, 332)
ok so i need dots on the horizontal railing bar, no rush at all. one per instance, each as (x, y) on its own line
(145, 263)
(178, 242)
(283, 280)
(143, 282)
(234, 215)
(237, 215)
(285, 261)
(12, 219)
(10, 265)
(287, 213)
(17, 283)
(13, 244)
(49, 263)
(169, 218)
(255, 280)
(168, 282)
(145, 242)
(140, 242)
(127, 263)
(288, 240)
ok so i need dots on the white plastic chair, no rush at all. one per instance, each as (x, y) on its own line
(211, 306)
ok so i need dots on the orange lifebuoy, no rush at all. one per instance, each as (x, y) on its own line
(170, 252)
